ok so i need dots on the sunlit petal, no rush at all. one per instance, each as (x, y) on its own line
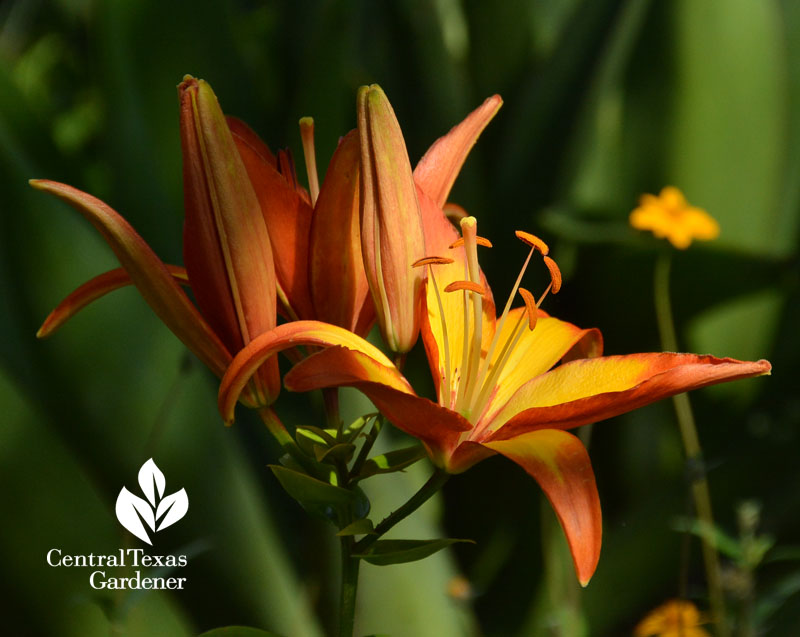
(293, 334)
(385, 386)
(588, 390)
(560, 464)
(538, 351)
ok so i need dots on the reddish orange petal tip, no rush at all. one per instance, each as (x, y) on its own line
(470, 286)
(533, 241)
(431, 261)
(559, 462)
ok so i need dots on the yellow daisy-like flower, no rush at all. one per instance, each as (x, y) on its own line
(675, 618)
(669, 216)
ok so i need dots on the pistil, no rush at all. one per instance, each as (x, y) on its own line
(307, 135)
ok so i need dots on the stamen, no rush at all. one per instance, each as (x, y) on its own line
(307, 135)
(530, 307)
(447, 390)
(486, 389)
(481, 241)
(533, 241)
(471, 286)
(555, 274)
(472, 359)
(499, 328)
(431, 261)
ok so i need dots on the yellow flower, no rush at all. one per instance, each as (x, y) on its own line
(675, 618)
(670, 216)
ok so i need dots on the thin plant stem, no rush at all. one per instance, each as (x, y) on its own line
(349, 588)
(692, 449)
(426, 491)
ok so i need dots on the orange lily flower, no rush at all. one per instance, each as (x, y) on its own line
(226, 249)
(500, 387)
(315, 237)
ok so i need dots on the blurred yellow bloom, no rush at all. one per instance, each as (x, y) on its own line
(675, 618)
(669, 216)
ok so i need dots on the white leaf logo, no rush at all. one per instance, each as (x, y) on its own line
(158, 511)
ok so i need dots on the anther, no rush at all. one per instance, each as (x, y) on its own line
(470, 286)
(530, 306)
(555, 274)
(481, 241)
(533, 241)
(431, 261)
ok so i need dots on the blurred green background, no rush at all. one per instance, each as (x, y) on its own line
(604, 100)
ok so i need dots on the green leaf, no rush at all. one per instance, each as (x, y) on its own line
(364, 526)
(355, 427)
(391, 461)
(308, 490)
(237, 631)
(342, 451)
(309, 439)
(385, 552)
(322, 498)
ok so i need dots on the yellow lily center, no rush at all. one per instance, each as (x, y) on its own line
(467, 389)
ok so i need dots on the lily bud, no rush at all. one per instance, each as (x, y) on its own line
(391, 224)
(227, 250)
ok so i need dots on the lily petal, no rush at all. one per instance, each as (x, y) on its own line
(148, 274)
(437, 427)
(339, 287)
(437, 170)
(560, 464)
(392, 237)
(226, 245)
(588, 390)
(91, 291)
(539, 350)
(293, 334)
(288, 218)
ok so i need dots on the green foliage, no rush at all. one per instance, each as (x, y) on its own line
(386, 552)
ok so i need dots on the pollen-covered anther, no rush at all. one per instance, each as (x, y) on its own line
(530, 306)
(469, 286)
(533, 241)
(555, 274)
(431, 261)
(481, 241)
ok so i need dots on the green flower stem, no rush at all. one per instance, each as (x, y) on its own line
(691, 446)
(426, 491)
(349, 589)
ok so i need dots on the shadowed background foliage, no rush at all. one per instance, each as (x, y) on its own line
(604, 100)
